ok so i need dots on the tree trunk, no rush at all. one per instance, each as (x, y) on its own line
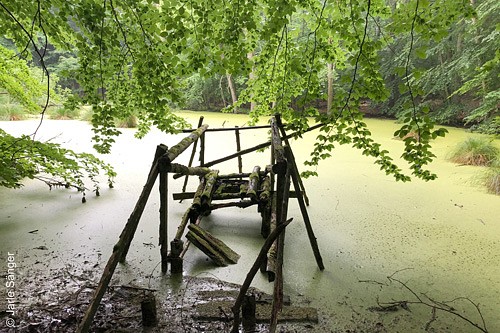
(251, 77)
(232, 89)
(329, 102)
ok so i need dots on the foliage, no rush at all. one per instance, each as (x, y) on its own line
(475, 151)
(138, 56)
(26, 158)
(492, 177)
(458, 75)
(18, 81)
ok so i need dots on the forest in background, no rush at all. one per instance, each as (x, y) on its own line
(457, 77)
(422, 62)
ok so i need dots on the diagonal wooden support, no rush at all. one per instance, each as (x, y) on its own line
(193, 153)
(121, 248)
(310, 233)
(292, 158)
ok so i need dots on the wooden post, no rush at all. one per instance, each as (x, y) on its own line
(251, 274)
(294, 166)
(202, 150)
(265, 206)
(248, 313)
(176, 262)
(121, 247)
(310, 233)
(193, 153)
(148, 309)
(163, 187)
(238, 149)
(281, 169)
(281, 217)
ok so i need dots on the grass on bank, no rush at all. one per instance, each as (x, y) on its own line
(475, 151)
(492, 177)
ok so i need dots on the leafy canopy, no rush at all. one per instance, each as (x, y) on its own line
(134, 56)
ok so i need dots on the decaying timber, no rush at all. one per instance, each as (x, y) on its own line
(213, 247)
(266, 188)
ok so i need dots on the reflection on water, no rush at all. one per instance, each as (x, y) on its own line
(442, 237)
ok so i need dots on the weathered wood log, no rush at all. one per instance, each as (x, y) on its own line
(265, 212)
(238, 148)
(239, 204)
(310, 233)
(148, 310)
(248, 313)
(281, 217)
(206, 195)
(202, 150)
(213, 247)
(243, 190)
(272, 254)
(183, 224)
(191, 158)
(226, 129)
(188, 242)
(176, 262)
(301, 187)
(181, 170)
(235, 175)
(196, 204)
(121, 247)
(251, 274)
(265, 189)
(184, 144)
(254, 183)
(218, 196)
(163, 232)
(278, 149)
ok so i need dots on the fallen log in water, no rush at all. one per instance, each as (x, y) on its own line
(213, 247)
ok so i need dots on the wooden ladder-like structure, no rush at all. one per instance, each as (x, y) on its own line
(268, 188)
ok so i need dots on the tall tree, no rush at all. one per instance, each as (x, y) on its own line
(132, 55)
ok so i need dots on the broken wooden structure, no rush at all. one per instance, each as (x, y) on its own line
(266, 187)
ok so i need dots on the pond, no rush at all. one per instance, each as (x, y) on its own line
(439, 240)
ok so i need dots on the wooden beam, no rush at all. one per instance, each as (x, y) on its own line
(121, 247)
(310, 233)
(251, 274)
(191, 158)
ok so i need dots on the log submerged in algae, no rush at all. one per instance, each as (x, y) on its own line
(213, 247)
